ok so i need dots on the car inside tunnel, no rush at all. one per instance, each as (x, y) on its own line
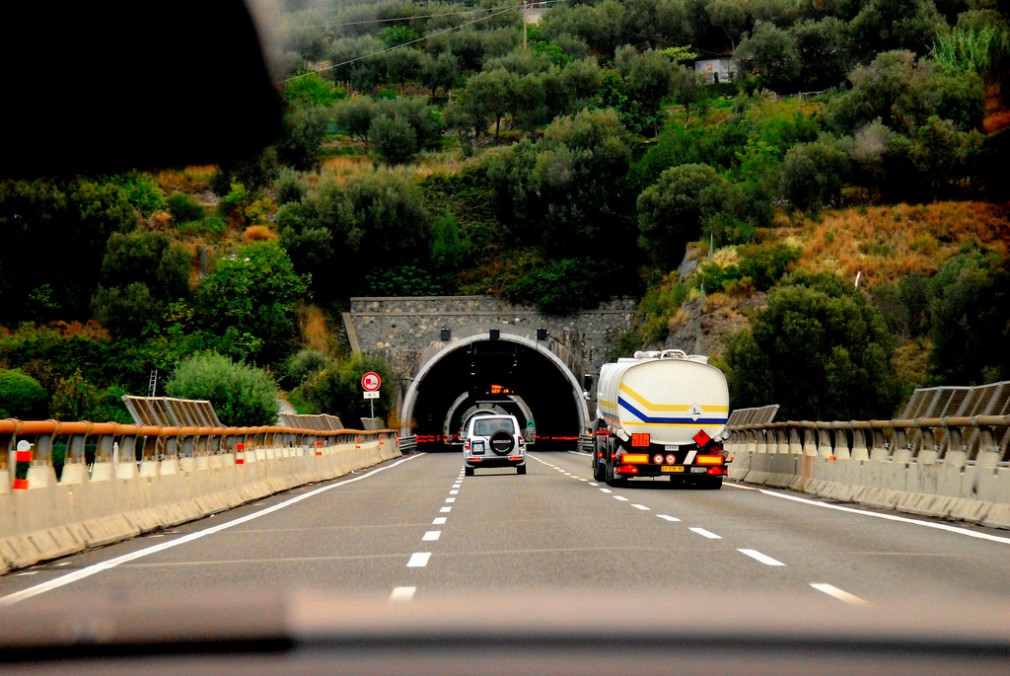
(500, 375)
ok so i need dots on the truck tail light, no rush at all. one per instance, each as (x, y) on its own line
(626, 469)
(635, 458)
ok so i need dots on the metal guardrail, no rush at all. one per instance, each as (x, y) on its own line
(959, 439)
(98, 442)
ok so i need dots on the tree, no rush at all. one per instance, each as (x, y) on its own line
(241, 395)
(884, 25)
(820, 349)
(813, 174)
(970, 334)
(439, 71)
(21, 396)
(649, 78)
(75, 399)
(336, 389)
(354, 117)
(392, 138)
(670, 211)
(80, 215)
(303, 133)
(770, 55)
(250, 301)
(488, 96)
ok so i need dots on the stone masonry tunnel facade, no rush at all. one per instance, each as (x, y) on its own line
(451, 356)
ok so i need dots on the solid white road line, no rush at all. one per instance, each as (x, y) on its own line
(763, 558)
(839, 594)
(892, 517)
(83, 573)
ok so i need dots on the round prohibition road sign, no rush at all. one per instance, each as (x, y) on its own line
(371, 381)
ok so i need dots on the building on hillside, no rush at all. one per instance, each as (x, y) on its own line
(717, 70)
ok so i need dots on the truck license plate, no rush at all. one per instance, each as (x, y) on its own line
(673, 468)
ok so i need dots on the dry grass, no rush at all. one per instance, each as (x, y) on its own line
(191, 180)
(315, 333)
(882, 244)
(259, 233)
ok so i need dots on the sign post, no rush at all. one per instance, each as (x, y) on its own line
(371, 382)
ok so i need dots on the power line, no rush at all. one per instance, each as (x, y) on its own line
(418, 39)
(397, 46)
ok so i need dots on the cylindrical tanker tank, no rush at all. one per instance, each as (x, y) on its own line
(669, 395)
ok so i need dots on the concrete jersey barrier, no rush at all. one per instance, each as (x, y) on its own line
(116, 496)
(948, 468)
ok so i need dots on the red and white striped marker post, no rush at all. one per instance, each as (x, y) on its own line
(239, 454)
(319, 447)
(22, 461)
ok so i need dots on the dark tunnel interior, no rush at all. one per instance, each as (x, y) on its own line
(497, 373)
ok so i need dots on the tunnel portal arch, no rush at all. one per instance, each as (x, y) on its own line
(507, 370)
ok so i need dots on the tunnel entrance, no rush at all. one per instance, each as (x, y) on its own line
(507, 373)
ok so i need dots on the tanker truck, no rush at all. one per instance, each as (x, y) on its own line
(661, 414)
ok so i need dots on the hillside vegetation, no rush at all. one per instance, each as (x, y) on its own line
(830, 225)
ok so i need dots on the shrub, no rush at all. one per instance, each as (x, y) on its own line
(242, 395)
(184, 208)
(21, 396)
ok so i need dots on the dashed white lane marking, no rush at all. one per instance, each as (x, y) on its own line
(418, 560)
(593, 484)
(445, 510)
(606, 490)
(667, 517)
(641, 507)
(154, 549)
(431, 536)
(839, 594)
(453, 492)
(439, 521)
(450, 499)
(620, 497)
(706, 533)
(402, 594)
(763, 558)
(743, 488)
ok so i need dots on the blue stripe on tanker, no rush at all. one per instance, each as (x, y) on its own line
(623, 403)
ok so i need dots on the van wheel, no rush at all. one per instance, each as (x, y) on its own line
(468, 471)
(521, 469)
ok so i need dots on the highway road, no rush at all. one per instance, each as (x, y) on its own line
(414, 530)
(415, 527)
